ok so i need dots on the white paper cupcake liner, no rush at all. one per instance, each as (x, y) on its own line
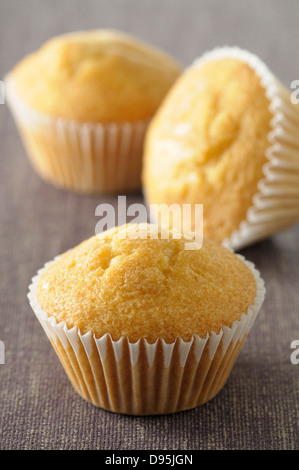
(143, 378)
(83, 157)
(275, 206)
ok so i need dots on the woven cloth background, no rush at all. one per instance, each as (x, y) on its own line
(258, 408)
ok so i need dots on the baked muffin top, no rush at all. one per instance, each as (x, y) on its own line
(207, 143)
(128, 283)
(100, 75)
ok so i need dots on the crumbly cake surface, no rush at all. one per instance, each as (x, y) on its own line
(140, 286)
(207, 143)
(102, 75)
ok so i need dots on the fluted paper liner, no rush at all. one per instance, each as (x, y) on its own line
(83, 157)
(143, 378)
(275, 206)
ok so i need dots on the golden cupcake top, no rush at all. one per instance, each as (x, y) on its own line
(207, 143)
(99, 75)
(129, 281)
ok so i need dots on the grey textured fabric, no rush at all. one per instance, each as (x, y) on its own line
(258, 407)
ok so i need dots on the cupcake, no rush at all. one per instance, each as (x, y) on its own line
(143, 325)
(82, 103)
(226, 137)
